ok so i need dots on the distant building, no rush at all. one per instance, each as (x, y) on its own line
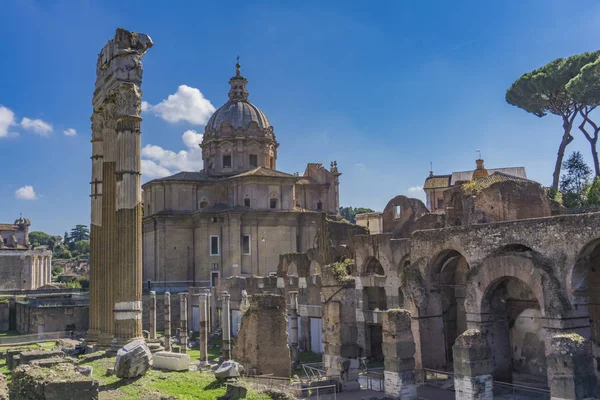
(239, 213)
(436, 185)
(21, 266)
(373, 221)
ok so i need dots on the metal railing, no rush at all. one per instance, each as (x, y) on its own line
(372, 379)
(5, 292)
(313, 370)
(439, 379)
(326, 391)
(34, 338)
(173, 286)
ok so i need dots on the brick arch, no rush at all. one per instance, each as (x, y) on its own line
(439, 260)
(372, 266)
(491, 272)
(577, 278)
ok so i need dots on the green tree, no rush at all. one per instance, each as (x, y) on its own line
(82, 247)
(592, 195)
(543, 91)
(57, 270)
(80, 232)
(349, 213)
(574, 183)
(38, 238)
(585, 89)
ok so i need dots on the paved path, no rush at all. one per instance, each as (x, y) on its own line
(424, 392)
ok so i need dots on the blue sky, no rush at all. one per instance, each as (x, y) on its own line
(382, 87)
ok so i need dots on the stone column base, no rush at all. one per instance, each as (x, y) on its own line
(401, 384)
(93, 335)
(104, 340)
(474, 387)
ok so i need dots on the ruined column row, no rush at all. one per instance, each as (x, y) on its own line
(116, 204)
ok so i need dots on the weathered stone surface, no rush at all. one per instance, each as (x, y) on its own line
(228, 369)
(571, 368)
(62, 382)
(3, 388)
(263, 339)
(398, 350)
(473, 366)
(133, 360)
(234, 392)
(171, 361)
(18, 357)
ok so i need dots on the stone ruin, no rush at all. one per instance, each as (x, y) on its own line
(62, 382)
(262, 344)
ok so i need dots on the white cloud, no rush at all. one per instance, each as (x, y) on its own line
(70, 132)
(158, 162)
(37, 125)
(360, 165)
(414, 189)
(187, 104)
(7, 118)
(26, 193)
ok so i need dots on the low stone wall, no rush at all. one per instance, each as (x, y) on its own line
(63, 382)
(51, 318)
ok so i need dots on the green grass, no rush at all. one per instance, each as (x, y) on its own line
(155, 384)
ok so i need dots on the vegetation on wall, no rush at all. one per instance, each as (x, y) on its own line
(349, 213)
(577, 188)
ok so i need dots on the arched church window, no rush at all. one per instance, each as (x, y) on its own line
(247, 202)
(320, 205)
(273, 203)
(272, 163)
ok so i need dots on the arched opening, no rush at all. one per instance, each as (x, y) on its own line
(515, 332)
(320, 205)
(247, 202)
(451, 280)
(374, 267)
(585, 284)
(273, 203)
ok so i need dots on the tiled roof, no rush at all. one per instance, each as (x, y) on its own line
(498, 177)
(462, 176)
(262, 171)
(8, 227)
(187, 176)
(437, 181)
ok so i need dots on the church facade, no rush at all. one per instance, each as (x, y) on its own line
(237, 215)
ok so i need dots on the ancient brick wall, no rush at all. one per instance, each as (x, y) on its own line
(53, 319)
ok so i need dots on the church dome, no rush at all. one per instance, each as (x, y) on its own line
(238, 112)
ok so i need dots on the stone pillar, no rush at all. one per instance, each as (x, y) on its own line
(294, 327)
(152, 315)
(167, 321)
(36, 272)
(183, 300)
(399, 351)
(208, 311)
(117, 106)
(473, 366)
(203, 329)
(571, 373)
(226, 325)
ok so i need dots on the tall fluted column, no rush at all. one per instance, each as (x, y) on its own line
(117, 268)
(167, 314)
(183, 298)
(108, 242)
(294, 327)
(226, 324)
(203, 329)
(128, 274)
(96, 246)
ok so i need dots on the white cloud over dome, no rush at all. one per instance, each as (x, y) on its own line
(186, 104)
(158, 162)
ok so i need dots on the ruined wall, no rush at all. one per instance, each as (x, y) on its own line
(160, 313)
(400, 213)
(262, 343)
(51, 318)
(13, 270)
